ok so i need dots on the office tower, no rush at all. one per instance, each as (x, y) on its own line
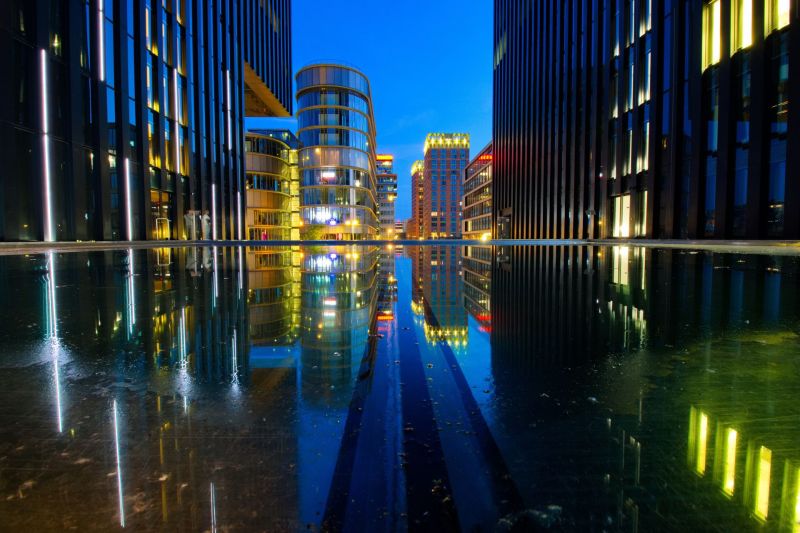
(273, 185)
(446, 156)
(414, 228)
(443, 295)
(652, 119)
(387, 194)
(124, 120)
(477, 202)
(338, 191)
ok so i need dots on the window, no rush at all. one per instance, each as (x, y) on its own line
(776, 15)
(712, 29)
(741, 25)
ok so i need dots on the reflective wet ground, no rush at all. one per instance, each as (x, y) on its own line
(380, 389)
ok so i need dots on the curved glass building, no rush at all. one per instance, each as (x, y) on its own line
(337, 162)
(271, 182)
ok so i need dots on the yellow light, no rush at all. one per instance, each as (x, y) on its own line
(762, 483)
(729, 480)
(486, 236)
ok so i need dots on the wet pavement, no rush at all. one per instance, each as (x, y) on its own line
(382, 388)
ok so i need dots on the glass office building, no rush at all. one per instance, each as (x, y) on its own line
(272, 183)
(446, 157)
(336, 128)
(387, 194)
(643, 118)
(477, 202)
(414, 226)
(124, 120)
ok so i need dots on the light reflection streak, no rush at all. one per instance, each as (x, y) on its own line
(131, 293)
(52, 332)
(216, 276)
(234, 362)
(119, 469)
(213, 510)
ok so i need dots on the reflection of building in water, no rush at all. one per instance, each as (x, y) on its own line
(273, 297)
(273, 186)
(477, 284)
(339, 299)
(443, 295)
(717, 349)
(387, 284)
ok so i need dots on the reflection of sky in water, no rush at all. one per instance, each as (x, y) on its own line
(623, 388)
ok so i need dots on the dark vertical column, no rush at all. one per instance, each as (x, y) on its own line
(792, 202)
(695, 96)
(759, 127)
(726, 133)
(654, 162)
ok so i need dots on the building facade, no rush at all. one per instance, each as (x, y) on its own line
(387, 194)
(446, 157)
(336, 128)
(414, 226)
(477, 201)
(273, 185)
(646, 118)
(123, 120)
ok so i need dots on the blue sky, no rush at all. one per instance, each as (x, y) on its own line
(429, 65)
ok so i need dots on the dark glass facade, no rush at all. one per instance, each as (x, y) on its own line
(646, 118)
(122, 119)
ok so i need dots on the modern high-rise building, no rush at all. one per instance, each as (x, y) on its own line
(124, 120)
(387, 194)
(477, 202)
(338, 190)
(273, 185)
(414, 227)
(446, 156)
(643, 118)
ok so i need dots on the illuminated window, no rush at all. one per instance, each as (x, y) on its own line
(741, 25)
(698, 440)
(763, 475)
(776, 15)
(622, 213)
(712, 33)
(725, 459)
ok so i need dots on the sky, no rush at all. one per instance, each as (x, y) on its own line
(429, 64)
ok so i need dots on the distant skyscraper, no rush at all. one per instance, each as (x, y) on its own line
(338, 190)
(477, 202)
(446, 156)
(124, 120)
(272, 184)
(387, 194)
(414, 228)
(637, 118)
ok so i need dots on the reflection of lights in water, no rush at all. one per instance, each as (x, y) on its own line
(241, 269)
(182, 338)
(234, 362)
(131, 293)
(119, 469)
(213, 510)
(52, 332)
(216, 277)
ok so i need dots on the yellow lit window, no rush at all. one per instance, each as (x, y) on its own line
(776, 15)
(762, 482)
(741, 25)
(712, 33)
